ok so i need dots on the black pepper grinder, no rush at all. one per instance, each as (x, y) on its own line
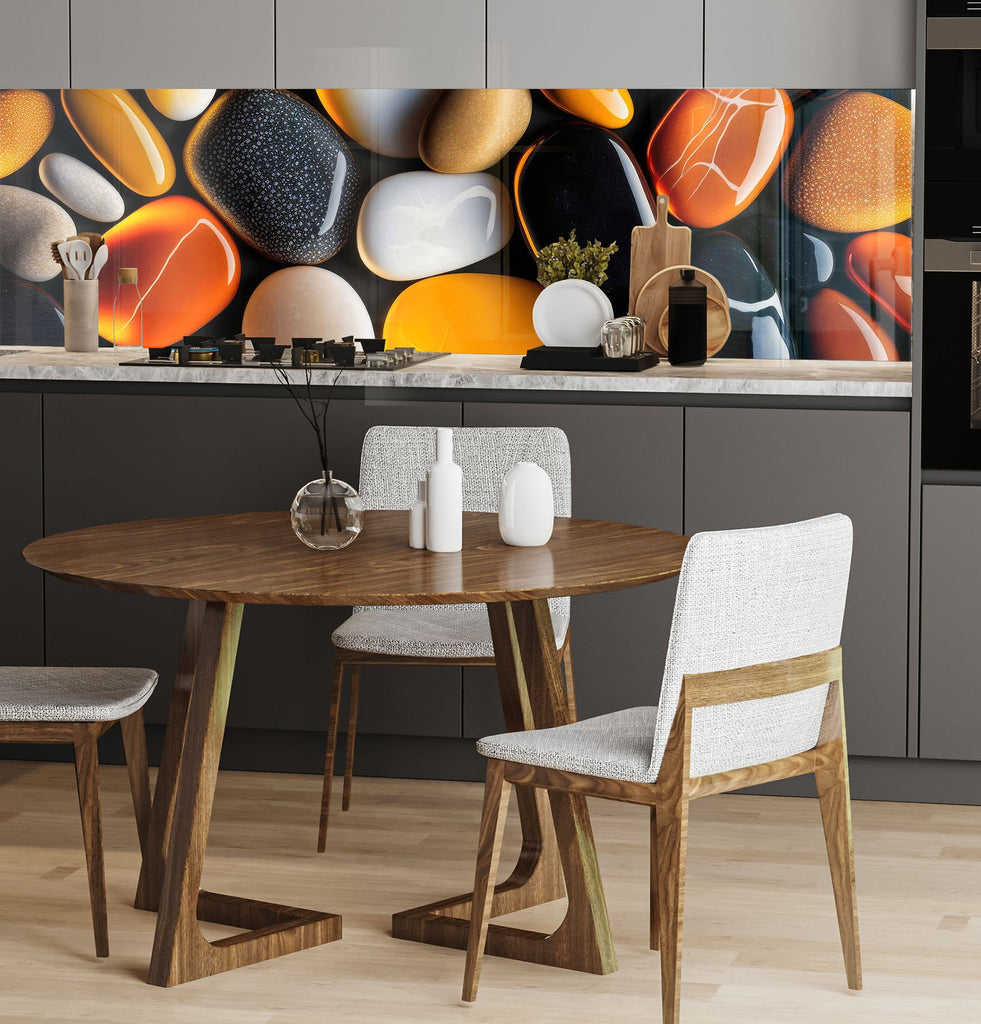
(687, 320)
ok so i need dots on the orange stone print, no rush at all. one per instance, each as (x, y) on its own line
(464, 313)
(26, 117)
(716, 149)
(881, 264)
(852, 169)
(609, 108)
(121, 136)
(839, 329)
(189, 271)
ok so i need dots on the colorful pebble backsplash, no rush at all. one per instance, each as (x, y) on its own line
(416, 213)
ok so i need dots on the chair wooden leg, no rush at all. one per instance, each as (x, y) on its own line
(497, 792)
(836, 814)
(334, 714)
(352, 728)
(655, 917)
(570, 685)
(87, 778)
(134, 744)
(671, 840)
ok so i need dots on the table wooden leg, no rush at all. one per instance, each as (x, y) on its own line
(185, 797)
(532, 696)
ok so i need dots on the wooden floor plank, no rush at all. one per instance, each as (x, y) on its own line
(757, 870)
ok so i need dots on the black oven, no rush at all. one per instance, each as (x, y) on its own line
(951, 298)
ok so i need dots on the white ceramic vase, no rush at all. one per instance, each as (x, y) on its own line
(444, 497)
(527, 509)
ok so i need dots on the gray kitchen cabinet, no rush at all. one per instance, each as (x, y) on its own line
(380, 44)
(950, 610)
(758, 467)
(180, 44)
(868, 44)
(34, 45)
(111, 458)
(626, 466)
(21, 521)
(641, 44)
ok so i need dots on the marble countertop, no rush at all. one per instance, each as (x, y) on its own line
(489, 372)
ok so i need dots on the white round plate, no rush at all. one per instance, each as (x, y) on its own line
(571, 313)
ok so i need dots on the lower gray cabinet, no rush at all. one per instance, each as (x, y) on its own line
(21, 586)
(758, 467)
(626, 466)
(117, 457)
(950, 611)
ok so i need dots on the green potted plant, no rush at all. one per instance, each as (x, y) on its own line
(572, 309)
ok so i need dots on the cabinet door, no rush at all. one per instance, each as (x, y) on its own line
(34, 45)
(950, 610)
(113, 458)
(802, 44)
(640, 44)
(180, 44)
(380, 44)
(759, 467)
(626, 466)
(21, 585)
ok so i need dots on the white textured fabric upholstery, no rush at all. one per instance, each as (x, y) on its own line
(745, 597)
(392, 460)
(50, 694)
(615, 746)
(456, 631)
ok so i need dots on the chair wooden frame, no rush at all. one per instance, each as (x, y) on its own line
(670, 796)
(84, 737)
(344, 658)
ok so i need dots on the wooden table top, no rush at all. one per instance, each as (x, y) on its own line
(255, 558)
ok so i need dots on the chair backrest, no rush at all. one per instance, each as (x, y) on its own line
(746, 597)
(394, 458)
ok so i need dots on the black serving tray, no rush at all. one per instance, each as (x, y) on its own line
(554, 357)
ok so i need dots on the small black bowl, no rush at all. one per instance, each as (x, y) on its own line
(372, 344)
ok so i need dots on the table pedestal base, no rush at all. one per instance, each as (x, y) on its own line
(180, 817)
(557, 852)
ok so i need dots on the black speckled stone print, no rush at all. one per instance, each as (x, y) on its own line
(277, 172)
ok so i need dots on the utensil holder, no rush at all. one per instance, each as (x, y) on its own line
(81, 316)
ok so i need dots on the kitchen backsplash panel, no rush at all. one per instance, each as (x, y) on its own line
(415, 214)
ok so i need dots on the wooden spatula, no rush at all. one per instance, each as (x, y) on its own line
(656, 248)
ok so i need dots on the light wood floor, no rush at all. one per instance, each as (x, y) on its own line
(761, 944)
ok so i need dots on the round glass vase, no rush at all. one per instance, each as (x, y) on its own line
(327, 514)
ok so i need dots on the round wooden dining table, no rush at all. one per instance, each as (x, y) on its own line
(221, 563)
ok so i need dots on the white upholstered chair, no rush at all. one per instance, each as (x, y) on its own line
(392, 461)
(751, 693)
(76, 706)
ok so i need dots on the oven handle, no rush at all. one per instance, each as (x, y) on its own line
(943, 255)
(953, 33)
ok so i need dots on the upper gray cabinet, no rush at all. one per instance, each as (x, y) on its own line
(853, 44)
(34, 45)
(622, 44)
(181, 44)
(380, 44)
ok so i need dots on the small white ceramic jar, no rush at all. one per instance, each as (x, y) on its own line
(527, 509)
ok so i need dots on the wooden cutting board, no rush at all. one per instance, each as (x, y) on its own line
(653, 249)
(652, 305)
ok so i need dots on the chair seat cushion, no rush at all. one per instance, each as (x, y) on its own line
(50, 694)
(614, 746)
(454, 631)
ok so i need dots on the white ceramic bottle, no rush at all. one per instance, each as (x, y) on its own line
(444, 497)
(417, 518)
(526, 513)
